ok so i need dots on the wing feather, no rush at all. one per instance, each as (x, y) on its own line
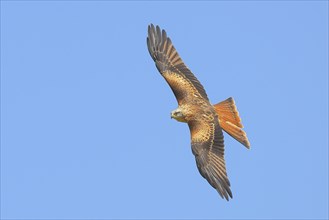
(208, 149)
(167, 60)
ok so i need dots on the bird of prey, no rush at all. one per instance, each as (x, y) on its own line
(205, 121)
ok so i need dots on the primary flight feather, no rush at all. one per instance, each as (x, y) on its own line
(205, 120)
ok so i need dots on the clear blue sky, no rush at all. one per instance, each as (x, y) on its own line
(85, 116)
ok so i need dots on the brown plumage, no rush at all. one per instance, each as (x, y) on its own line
(204, 120)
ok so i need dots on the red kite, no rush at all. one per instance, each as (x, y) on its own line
(206, 121)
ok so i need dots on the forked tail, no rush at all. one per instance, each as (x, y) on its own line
(230, 121)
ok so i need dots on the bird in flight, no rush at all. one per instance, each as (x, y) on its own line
(205, 121)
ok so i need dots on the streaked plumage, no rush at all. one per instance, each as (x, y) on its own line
(205, 121)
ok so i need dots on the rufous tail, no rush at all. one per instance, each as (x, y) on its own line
(230, 121)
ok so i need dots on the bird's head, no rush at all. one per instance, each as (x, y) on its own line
(178, 115)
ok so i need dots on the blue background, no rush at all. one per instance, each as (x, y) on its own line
(85, 116)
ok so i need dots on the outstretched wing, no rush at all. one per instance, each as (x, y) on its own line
(208, 148)
(181, 80)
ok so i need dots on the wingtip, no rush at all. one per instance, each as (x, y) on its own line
(228, 195)
(156, 29)
(224, 190)
(157, 40)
